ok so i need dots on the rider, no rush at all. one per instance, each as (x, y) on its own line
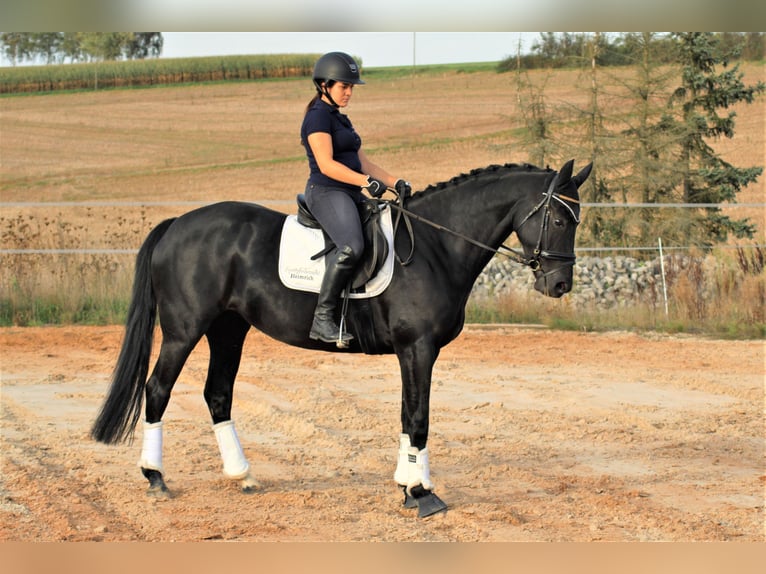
(339, 170)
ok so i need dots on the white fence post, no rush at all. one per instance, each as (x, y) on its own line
(662, 269)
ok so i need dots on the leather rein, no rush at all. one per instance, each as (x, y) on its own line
(538, 253)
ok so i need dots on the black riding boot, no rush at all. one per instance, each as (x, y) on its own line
(337, 275)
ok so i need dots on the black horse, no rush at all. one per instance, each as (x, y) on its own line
(213, 272)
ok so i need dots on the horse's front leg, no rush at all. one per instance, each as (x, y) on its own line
(413, 471)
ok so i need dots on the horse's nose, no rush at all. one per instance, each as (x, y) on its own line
(553, 284)
(562, 287)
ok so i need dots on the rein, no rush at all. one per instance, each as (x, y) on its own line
(532, 262)
(405, 214)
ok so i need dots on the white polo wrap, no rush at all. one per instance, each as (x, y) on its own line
(402, 472)
(235, 464)
(412, 467)
(151, 452)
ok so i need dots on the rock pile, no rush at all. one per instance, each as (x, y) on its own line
(605, 282)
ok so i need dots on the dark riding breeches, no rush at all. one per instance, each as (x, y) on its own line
(337, 212)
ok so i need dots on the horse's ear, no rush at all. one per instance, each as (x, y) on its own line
(565, 173)
(580, 178)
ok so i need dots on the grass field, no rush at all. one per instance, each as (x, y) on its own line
(210, 142)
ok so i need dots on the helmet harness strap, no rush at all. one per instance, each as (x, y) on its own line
(324, 91)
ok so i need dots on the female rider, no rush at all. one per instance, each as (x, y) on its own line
(339, 170)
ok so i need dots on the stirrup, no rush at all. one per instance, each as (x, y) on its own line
(332, 335)
(343, 337)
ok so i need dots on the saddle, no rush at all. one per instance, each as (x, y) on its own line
(375, 242)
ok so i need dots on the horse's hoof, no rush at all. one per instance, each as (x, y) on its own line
(249, 484)
(426, 501)
(158, 492)
(409, 500)
(157, 487)
(429, 505)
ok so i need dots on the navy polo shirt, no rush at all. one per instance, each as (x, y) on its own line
(322, 117)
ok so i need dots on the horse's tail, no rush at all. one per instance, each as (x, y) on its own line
(122, 407)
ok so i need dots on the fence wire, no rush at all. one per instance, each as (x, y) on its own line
(97, 251)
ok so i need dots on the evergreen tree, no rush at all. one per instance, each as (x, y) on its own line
(537, 135)
(649, 139)
(604, 228)
(707, 178)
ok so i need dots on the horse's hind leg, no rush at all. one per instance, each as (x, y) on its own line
(225, 338)
(173, 355)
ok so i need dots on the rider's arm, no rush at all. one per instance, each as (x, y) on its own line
(374, 170)
(321, 147)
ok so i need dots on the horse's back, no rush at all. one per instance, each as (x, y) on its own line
(210, 257)
(229, 213)
(218, 225)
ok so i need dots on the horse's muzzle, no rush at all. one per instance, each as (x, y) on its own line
(554, 283)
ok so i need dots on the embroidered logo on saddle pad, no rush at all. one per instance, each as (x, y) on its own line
(298, 271)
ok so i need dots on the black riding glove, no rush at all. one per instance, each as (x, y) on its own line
(403, 189)
(375, 187)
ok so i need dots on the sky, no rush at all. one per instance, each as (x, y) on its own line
(447, 32)
(376, 49)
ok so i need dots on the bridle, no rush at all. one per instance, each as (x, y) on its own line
(539, 251)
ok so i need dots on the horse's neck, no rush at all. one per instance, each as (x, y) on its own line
(484, 215)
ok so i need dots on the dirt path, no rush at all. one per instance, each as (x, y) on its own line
(536, 436)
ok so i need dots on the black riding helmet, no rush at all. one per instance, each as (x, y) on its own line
(336, 67)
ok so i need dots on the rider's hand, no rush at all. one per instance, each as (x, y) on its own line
(403, 189)
(375, 187)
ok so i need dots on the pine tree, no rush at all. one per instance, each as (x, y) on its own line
(537, 136)
(603, 227)
(706, 178)
(651, 173)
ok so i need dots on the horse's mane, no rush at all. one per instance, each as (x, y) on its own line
(474, 173)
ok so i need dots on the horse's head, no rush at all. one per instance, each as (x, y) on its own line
(547, 232)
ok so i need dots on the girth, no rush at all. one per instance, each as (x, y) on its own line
(375, 243)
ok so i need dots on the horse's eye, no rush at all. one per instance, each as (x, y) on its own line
(558, 222)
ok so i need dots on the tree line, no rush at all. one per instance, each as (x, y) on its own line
(567, 49)
(552, 49)
(72, 47)
(649, 129)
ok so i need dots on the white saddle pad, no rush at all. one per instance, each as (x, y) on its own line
(299, 243)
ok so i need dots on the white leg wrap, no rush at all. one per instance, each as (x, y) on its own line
(151, 452)
(412, 468)
(402, 472)
(235, 464)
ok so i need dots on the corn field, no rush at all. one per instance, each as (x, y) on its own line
(142, 73)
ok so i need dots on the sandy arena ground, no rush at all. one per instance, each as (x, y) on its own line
(537, 435)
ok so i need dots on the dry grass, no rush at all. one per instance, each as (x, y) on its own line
(241, 141)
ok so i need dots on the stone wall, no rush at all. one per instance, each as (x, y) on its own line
(605, 282)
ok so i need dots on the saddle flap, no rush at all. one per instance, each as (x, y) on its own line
(298, 269)
(305, 217)
(375, 241)
(375, 246)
